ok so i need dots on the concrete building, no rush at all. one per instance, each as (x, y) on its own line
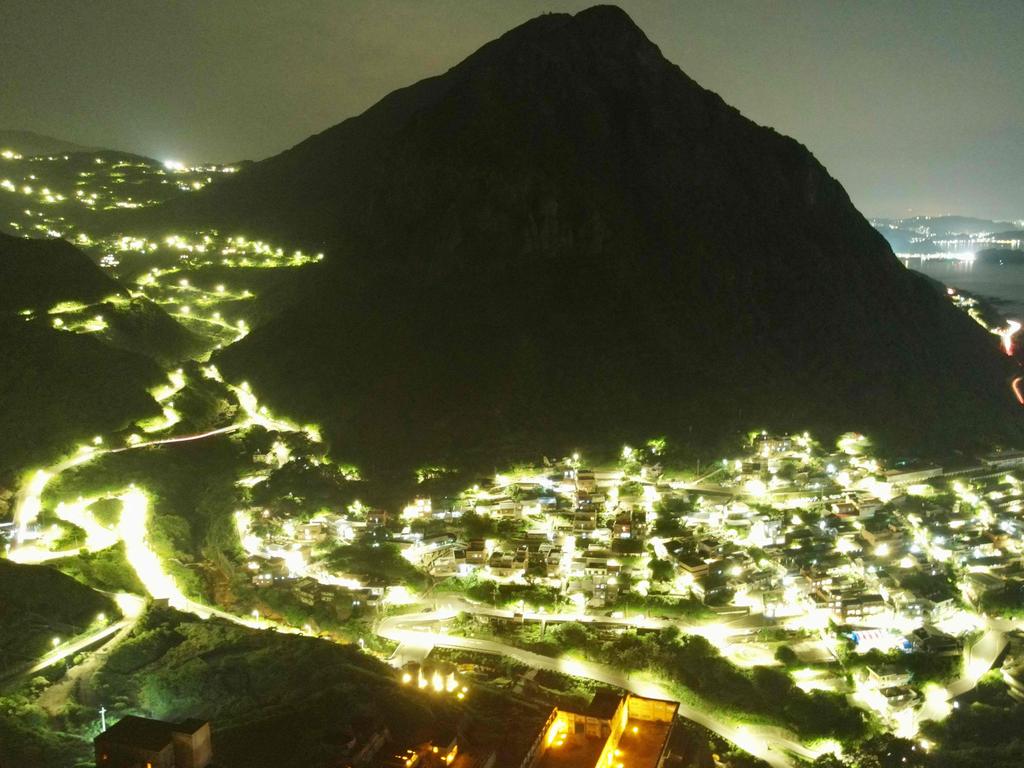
(615, 729)
(1004, 460)
(138, 742)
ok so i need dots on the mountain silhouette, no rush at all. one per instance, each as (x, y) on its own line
(565, 241)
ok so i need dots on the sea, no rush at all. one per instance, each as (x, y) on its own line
(1002, 284)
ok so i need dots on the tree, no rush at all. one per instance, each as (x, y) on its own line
(572, 634)
(885, 750)
(669, 511)
(661, 569)
(374, 562)
(786, 656)
(477, 526)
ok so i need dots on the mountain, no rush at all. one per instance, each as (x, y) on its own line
(28, 143)
(565, 241)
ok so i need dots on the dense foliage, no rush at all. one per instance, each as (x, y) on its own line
(255, 686)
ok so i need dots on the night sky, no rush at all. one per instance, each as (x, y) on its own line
(915, 107)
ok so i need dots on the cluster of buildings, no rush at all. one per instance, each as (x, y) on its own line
(785, 529)
(796, 537)
(613, 731)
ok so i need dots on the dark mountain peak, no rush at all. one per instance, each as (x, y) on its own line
(608, 17)
(607, 26)
(600, 43)
(563, 240)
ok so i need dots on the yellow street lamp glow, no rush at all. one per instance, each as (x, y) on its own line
(756, 488)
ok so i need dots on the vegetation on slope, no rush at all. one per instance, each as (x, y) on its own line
(58, 388)
(38, 603)
(252, 684)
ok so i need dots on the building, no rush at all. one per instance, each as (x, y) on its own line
(766, 445)
(615, 729)
(694, 565)
(927, 639)
(1004, 460)
(904, 477)
(476, 552)
(138, 742)
(887, 676)
(360, 742)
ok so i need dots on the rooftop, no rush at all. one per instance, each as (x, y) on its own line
(139, 732)
(145, 733)
(577, 751)
(604, 704)
(642, 743)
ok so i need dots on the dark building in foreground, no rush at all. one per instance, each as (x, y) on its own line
(138, 742)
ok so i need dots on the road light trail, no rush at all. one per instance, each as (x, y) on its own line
(182, 438)
(257, 414)
(84, 641)
(28, 503)
(77, 513)
(1006, 336)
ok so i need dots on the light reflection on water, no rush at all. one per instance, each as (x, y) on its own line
(997, 281)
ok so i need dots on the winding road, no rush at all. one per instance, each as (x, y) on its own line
(417, 633)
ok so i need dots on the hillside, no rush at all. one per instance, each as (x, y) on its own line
(564, 241)
(52, 277)
(38, 603)
(37, 274)
(921, 235)
(947, 226)
(62, 384)
(29, 143)
(175, 666)
(58, 388)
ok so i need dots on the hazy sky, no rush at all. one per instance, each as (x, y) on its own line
(915, 106)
